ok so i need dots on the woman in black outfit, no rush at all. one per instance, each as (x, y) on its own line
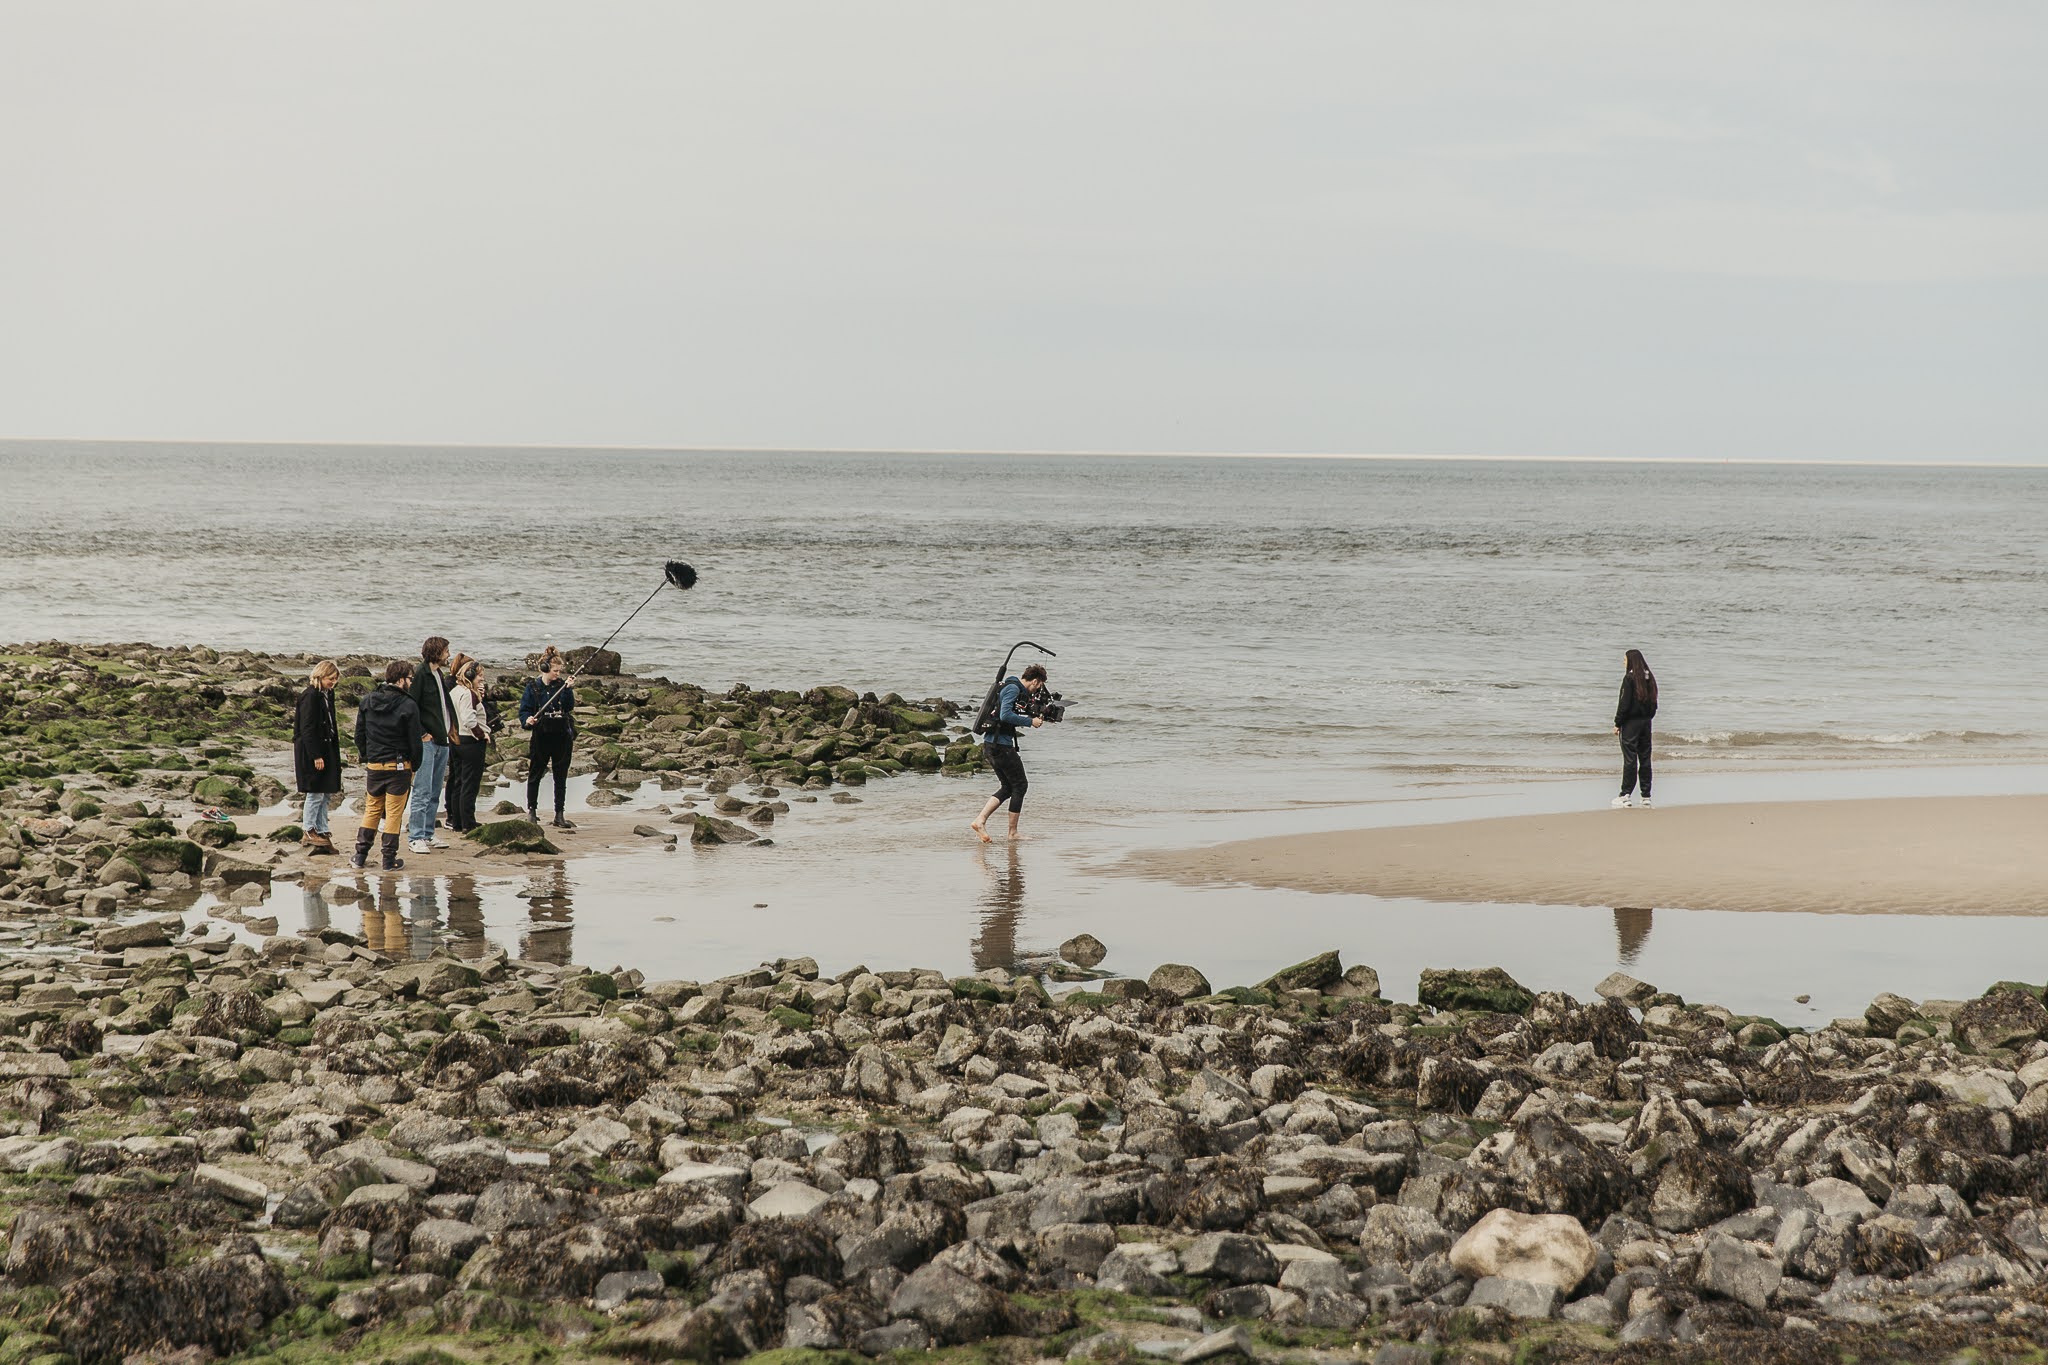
(1632, 716)
(547, 710)
(316, 755)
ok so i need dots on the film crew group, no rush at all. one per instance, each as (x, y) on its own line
(422, 734)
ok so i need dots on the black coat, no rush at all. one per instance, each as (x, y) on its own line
(316, 735)
(430, 697)
(388, 728)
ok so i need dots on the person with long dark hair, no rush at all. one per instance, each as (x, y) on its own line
(1632, 716)
(547, 710)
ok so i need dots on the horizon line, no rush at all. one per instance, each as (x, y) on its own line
(1028, 452)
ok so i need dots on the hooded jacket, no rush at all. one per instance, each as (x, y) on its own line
(388, 728)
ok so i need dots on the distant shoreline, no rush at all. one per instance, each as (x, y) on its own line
(1384, 457)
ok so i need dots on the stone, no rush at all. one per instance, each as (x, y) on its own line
(445, 1244)
(1231, 1341)
(1395, 1234)
(1885, 1015)
(1739, 1271)
(1177, 982)
(1138, 1268)
(1840, 1199)
(620, 1286)
(952, 1307)
(1318, 974)
(788, 1199)
(726, 1180)
(1083, 950)
(1487, 989)
(1230, 1257)
(1079, 1247)
(1516, 1298)
(1625, 988)
(1539, 1248)
(231, 1185)
(709, 829)
(2001, 1019)
(149, 933)
(1697, 1187)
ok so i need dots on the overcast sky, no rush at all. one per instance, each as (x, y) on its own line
(1749, 230)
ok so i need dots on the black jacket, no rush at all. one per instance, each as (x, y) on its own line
(1628, 708)
(315, 735)
(430, 697)
(388, 728)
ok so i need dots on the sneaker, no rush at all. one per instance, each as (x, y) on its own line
(1619, 803)
(1644, 803)
(421, 846)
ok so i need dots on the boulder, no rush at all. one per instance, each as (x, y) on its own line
(1739, 1271)
(1231, 1257)
(1318, 973)
(1542, 1248)
(952, 1307)
(512, 836)
(2001, 1019)
(1084, 951)
(1516, 1298)
(1177, 982)
(709, 829)
(1487, 989)
(1396, 1234)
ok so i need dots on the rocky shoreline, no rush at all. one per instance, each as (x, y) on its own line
(309, 1147)
(296, 1147)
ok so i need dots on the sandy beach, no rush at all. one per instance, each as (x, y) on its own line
(1942, 855)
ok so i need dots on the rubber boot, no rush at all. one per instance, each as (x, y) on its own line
(560, 822)
(364, 838)
(533, 814)
(392, 862)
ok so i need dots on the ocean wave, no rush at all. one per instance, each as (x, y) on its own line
(1758, 739)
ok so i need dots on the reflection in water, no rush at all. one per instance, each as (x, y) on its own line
(384, 918)
(1001, 907)
(423, 915)
(1632, 931)
(465, 917)
(548, 918)
(313, 906)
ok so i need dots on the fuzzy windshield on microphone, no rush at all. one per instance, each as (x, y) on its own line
(681, 575)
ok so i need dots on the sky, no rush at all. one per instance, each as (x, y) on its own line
(1742, 230)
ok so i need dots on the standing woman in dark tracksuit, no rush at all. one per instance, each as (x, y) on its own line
(1632, 716)
(546, 711)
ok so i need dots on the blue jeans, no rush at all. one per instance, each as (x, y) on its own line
(314, 821)
(426, 791)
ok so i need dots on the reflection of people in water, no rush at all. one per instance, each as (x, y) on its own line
(384, 919)
(465, 917)
(1001, 908)
(1632, 930)
(549, 926)
(314, 906)
(424, 915)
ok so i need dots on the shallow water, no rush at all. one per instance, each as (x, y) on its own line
(1252, 646)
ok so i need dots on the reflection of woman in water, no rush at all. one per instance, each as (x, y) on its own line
(314, 906)
(465, 917)
(1001, 908)
(1631, 931)
(424, 917)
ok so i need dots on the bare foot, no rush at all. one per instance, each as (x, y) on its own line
(979, 832)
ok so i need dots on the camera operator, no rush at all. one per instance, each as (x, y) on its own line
(1016, 708)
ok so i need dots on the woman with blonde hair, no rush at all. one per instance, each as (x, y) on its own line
(467, 740)
(316, 754)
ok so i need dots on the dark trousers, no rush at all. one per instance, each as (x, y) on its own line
(548, 747)
(1635, 756)
(465, 780)
(1009, 766)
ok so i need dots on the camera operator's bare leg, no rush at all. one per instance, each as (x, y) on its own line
(980, 822)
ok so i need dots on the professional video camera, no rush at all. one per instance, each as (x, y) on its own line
(1047, 706)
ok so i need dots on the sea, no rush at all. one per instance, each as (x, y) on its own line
(1247, 646)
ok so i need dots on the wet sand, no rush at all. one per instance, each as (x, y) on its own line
(1919, 855)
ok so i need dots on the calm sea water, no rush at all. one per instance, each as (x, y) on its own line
(1242, 640)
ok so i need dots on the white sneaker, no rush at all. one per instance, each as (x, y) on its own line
(1619, 803)
(421, 846)
(1644, 803)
